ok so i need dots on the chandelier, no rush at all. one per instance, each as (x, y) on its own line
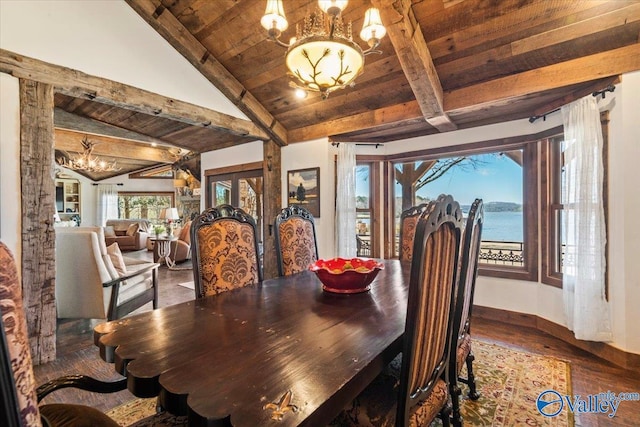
(323, 57)
(87, 161)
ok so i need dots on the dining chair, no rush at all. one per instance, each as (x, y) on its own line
(461, 346)
(420, 392)
(296, 243)
(20, 397)
(224, 250)
(408, 223)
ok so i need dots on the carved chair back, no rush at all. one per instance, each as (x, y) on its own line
(408, 222)
(423, 390)
(296, 244)
(17, 350)
(224, 250)
(461, 339)
(468, 267)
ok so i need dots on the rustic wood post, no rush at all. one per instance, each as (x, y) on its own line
(272, 205)
(38, 208)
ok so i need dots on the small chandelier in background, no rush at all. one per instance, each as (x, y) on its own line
(87, 161)
(323, 56)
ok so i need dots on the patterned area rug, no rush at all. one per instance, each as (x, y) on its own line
(135, 410)
(509, 382)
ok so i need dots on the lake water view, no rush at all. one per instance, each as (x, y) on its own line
(502, 226)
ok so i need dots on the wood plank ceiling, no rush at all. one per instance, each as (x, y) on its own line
(445, 65)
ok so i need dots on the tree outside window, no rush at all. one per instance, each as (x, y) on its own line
(143, 205)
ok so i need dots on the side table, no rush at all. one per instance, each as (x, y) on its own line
(162, 250)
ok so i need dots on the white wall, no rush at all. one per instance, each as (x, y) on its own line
(102, 38)
(10, 207)
(107, 39)
(624, 210)
(304, 155)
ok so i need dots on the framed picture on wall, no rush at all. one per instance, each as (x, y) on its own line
(303, 189)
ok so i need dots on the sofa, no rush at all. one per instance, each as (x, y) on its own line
(130, 234)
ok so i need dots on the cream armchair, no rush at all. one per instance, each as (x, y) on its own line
(87, 282)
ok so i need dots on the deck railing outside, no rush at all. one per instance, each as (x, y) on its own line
(491, 252)
(503, 253)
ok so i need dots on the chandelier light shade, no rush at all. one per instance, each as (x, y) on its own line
(332, 7)
(372, 29)
(87, 161)
(322, 57)
(274, 20)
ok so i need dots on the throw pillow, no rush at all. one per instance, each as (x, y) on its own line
(132, 229)
(109, 231)
(114, 253)
(184, 233)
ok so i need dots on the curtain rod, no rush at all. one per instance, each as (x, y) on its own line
(602, 92)
(95, 183)
(375, 144)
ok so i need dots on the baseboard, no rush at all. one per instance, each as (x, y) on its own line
(602, 350)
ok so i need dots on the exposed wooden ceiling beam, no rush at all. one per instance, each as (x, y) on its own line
(78, 84)
(611, 63)
(412, 51)
(65, 120)
(167, 25)
(557, 103)
(370, 119)
(71, 141)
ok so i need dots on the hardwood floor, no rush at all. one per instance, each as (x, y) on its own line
(589, 375)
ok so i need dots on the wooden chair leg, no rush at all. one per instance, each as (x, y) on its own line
(456, 416)
(445, 415)
(154, 283)
(471, 379)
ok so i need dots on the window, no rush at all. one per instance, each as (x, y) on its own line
(138, 205)
(364, 209)
(553, 247)
(503, 174)
(367, 226)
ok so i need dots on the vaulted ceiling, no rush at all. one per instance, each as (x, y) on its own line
(445, 65)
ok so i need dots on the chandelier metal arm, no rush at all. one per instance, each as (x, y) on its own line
(276, 40)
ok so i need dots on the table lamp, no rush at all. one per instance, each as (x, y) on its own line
(169, 215)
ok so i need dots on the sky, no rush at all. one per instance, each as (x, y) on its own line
(496, 179)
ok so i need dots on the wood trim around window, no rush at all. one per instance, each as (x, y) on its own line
(550, 164)
(530, 211)
(527, 143)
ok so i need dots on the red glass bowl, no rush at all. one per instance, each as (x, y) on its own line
(346, 276)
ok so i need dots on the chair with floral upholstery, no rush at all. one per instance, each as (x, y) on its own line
(408, 223)
(461, 347)
(296, 244)
(224, 250)
(20, 397)
(419, 392)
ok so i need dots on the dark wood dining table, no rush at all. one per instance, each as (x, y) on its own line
(281, 352)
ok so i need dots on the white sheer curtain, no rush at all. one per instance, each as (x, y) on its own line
(583, 223)
(107, 203)
(346, 246)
